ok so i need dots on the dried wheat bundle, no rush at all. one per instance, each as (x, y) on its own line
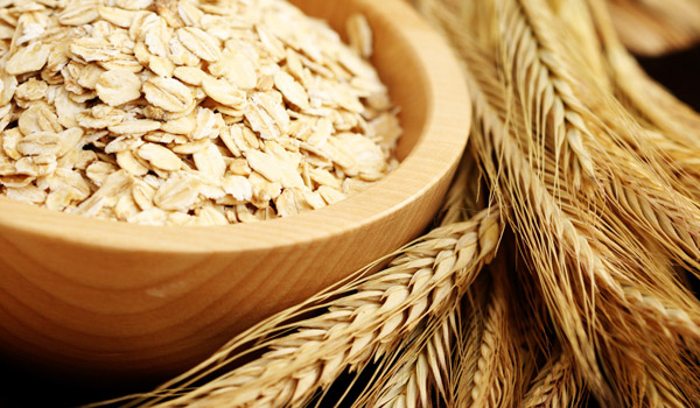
(590, 242)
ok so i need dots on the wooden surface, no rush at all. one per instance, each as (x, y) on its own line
(105, 298)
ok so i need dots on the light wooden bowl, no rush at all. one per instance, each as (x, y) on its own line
(103, 297)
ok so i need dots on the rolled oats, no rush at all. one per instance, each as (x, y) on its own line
(210, 162)
(223, 92)
(160, 157)
(32, 90)
(360, 35)
(200, 43)
(168, 94)
(187, 112)
(78, 13)
(267, 116)
(128, 161)
(39, 144)
(118, 86)
(179, 193)
(28, 59)
(37, 118)
(135, 127)
(293, 91)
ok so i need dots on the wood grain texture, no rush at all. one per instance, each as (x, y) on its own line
(108, 298)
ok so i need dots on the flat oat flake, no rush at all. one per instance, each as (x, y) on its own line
(187, 112)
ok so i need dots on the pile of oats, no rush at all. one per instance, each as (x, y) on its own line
(187, 112)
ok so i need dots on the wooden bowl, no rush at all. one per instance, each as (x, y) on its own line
(103, 297)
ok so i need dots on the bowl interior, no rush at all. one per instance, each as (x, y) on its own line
(401, 62)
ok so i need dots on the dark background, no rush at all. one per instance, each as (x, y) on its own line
(20, 387)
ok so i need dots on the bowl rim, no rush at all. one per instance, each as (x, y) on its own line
(439, 147)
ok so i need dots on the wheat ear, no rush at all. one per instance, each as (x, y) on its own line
(556, 385)
(659, 127)
(419, 377)
(423, 365)
(669, 216)
(358, 326)
(674, 127)
(662, 214)
(552, 108)
(492, 378)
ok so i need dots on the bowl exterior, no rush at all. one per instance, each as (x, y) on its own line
(112, 299)
(166, 325)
